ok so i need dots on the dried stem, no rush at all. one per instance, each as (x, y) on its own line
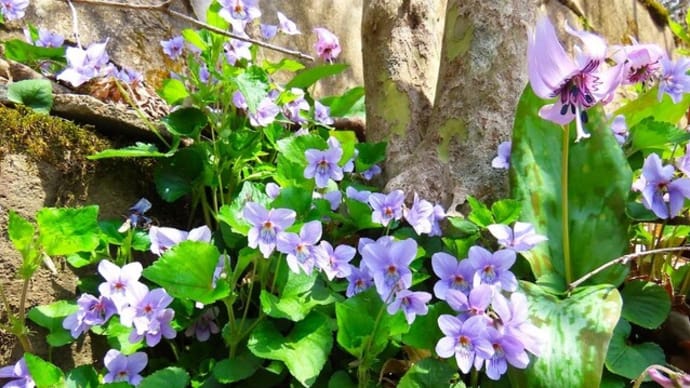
(165, 8)
(623, 260)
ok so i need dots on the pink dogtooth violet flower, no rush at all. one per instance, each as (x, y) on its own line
(578, 83)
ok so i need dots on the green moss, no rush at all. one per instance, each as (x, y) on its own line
(657, 12)
(397, 108)
(453, 128)
(458, 34)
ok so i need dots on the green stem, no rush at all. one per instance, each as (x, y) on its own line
(363, 367)
(564, 205)
(249, 299)
(474, 379)
(21, 331)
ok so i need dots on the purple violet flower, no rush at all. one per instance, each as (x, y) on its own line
(204, 326)
(387, 207)
(419, 215)
(620, 129)
(476, 303)
(514, 320)
(661, 193)
(265, 113)
(239, 101)
(299, 248)
(129, 76)
(411, 303)
(13, 9)
(502, 161)
(322, 115)
(520, 238)
(19, 373)
(92, 311)
(323, 165)
(48, 38)
(268, 31)
(272, 190)
(84, 65)
(124, 368)
(292, 109)
(173, 47)
(493, 269)
(164, 238)
(467, 341)
(361, 196)
(266, 225)
(454, 274)
(327, 45)
(236, 50)
(437, 216)
(507, 350)
(334, 198)
(359, 280)
(286, 25)
(371, 172)
(674, 79)
(243, 10)
(335, 263)
(121, 285)
(579, 84)
(389, 265)
(150, 317)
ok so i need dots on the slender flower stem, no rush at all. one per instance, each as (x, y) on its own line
(23, 339)
(249, 298)
(474, 378)
(564, 205)
(362, 368)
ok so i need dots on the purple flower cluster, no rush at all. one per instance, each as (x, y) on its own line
(488, 329)
(422, 216)
(84, 65)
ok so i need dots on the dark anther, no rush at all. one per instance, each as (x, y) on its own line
(564, 109)
(583, 117)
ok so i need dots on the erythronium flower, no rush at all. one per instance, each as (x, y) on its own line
(322, 114)
(13, 9)
(359, 280)
(453, 274)
(467, 341)
(286, 25)
(674, 79)
(335, 263)
(327, 45)
(85, 64)
(19, 373)
(412, 303)
(265, 113)
(419, 215)
(641, 62)
(507, 350)
(299, 247)
(578, 84)
(121, 284)
(266, 224)
(476, 303)
(661, 193)
(204, 326)
(164, 238)
(389, 265)
(387, 207)
(520, 238)
(92, 311)
(124, 368)
(493, 268)
(173, 47)
(620, 129)
(503, 158)
(323, 165)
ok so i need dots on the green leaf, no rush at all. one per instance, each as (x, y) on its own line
(360, 214)
(649, 134)
(193, 37)
(285, 64)
(429, 372)
(181, 174)
(356, 319)
(295, 198)
(506, 211)
(170, 377)
(575, 333)
(118, 336)
(21, 233)
(645, 304)
(308, 77)
(51, 317)
(630, 360)
(300, 294)
(348, 141)
(369, 155)
(599, 180)
(424, 332)
(350, 103)
(44, 373)
(648, 105)
(463, 225)
(480, 213)
(232, 214)
(139, 150)
(253, 83)
(21, 51)
(186, 272)
(214, 19)
(82, 377)
(304, 350)
(294, 147)
(341, 379)
(236, 369)
(185, 122)
(64, 231)
(37, 94)
(173, 91)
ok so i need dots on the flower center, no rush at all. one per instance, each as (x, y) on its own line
(577, 91)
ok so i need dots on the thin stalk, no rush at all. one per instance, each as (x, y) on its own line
(564, 205)
(362, 368)
(23, 339)
(474, 378)
(249, 298)
(21, 335)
